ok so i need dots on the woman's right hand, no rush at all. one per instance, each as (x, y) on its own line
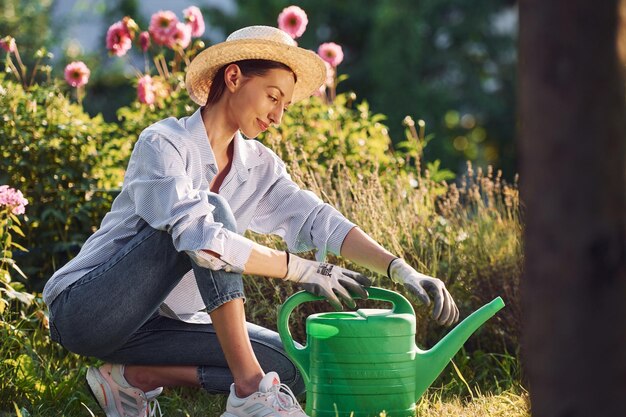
(327, 280)
(445, 312)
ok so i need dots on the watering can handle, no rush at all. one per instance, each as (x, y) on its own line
(301, 355)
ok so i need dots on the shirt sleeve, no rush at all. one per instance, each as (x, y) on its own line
(300, 217)
(165, 197)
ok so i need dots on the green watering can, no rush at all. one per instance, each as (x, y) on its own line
(363, 362)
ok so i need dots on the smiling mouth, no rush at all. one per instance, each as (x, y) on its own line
(262, 125)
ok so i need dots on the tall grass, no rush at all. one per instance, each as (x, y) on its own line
(468, 234)
(37, 376)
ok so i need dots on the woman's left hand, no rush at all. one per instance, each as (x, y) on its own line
(445, 311)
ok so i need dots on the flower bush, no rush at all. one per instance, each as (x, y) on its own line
(166, 35)
(12, 204)
(66, 161)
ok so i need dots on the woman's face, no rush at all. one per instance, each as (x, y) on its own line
(260, 101)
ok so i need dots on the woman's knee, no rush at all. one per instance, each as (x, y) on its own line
(84, 343)
(222, 212)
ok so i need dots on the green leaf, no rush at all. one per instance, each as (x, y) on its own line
(342, 77)
(19, 271)
(462, 378)
(437, 174)
(17, 230)
(15, 218)
(5, 276)
(18, 246)
(23, 297)
(18, 412)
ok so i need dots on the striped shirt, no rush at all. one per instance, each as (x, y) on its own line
(166, 186)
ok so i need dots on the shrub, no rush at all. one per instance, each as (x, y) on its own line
(318, 131)
(65, 161)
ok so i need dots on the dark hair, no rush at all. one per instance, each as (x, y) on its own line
(248, 67)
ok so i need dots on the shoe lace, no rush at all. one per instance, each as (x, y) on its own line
(153, 406)
(286, 400)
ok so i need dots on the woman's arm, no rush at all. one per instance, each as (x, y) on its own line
(365, 251)
(361, 249)
(330, 281)
(264, 261)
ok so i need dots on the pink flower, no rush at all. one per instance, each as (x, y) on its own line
(118, 39)
(293, 20)
(144, 41)
(13, 199)
(162, 26)
(331, 53)
(8, 44)
(193, 17)
(77, 74)
(181, 36)
(146, 90)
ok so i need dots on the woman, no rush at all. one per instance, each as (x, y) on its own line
(171, 249)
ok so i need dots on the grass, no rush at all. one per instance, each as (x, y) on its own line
(41, 379)
(184, 403)
(508, 404)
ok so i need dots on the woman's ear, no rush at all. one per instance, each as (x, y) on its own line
(233, 77)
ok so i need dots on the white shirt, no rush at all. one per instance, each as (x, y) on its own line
(166, 185)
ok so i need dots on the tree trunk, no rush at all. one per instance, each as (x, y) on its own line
(573, 174)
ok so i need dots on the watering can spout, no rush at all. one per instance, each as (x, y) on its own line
(431, 363)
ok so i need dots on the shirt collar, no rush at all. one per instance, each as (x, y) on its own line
(244, 157)
(197, 132)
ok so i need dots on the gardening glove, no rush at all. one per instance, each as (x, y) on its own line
(327, 280)
(445, 311)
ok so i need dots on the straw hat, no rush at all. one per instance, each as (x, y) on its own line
(256, 42)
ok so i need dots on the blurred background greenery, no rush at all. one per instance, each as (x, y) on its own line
(451, 63)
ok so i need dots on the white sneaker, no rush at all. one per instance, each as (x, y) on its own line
(117, 397)
(272, 400)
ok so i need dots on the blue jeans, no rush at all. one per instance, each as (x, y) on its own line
(111, 312)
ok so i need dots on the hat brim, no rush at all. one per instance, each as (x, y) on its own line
(309, 68)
